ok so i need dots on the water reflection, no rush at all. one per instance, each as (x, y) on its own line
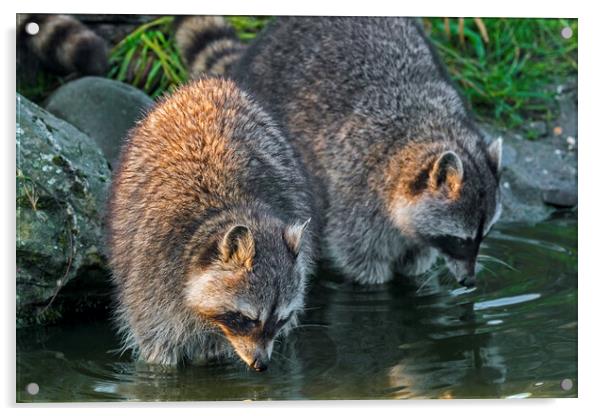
(403, 346)
(514, 337)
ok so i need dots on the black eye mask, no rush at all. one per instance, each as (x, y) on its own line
(242, 325)
(460, 248)
(237, 322)
(455, 247)
(272, 326)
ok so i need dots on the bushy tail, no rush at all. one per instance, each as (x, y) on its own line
(208, 44)
(63, 44)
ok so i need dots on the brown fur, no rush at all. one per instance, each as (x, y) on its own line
(192, 232)
(416, 168)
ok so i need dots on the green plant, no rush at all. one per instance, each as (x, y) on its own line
(40, 87)
(148, 59)
(506, 68)
(247, 27)
(509, 75)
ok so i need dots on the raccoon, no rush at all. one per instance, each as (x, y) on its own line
(63, 44)
(209, 238)
(208, 44)
(404, 174)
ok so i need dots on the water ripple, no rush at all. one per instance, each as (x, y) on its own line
(512, 300)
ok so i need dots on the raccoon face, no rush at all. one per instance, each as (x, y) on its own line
(457, 207)
(252, 289)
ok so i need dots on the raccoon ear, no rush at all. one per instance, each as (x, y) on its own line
(448, 169)
(238, 247)
(494, 152)
(293, 234)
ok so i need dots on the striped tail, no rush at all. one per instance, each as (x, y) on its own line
(208, 44)
(64, 45)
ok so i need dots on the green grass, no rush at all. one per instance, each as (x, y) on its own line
(148, 59)
(247, 27)
(40, 87)
(510, 80)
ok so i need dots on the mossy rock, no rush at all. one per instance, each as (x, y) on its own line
(62, 182)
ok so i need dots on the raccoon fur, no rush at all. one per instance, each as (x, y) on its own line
(63, 44)
(208, 234)
(403, 173)
(208, 44)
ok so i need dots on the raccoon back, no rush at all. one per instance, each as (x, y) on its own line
(203, 149)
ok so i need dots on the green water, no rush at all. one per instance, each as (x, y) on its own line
(514, 336)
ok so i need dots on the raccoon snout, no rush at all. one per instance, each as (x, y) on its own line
(260, 361)
(256, 354)
(259, 365)
(464, 271)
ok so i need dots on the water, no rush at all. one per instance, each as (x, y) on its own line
(515, 336)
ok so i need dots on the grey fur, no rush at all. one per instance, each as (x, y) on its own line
(208, 44)
(357, 94)
(63, 45)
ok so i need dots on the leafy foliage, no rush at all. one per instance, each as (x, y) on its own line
(148, 59)
(508, 75)
(40, 87)
(247, 27)
(506, 68)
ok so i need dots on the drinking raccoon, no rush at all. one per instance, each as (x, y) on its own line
(403, 172)
(63, 45)
(208, 230)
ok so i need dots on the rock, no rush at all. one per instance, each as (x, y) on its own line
(564, 198)
(539, 176)
(567, 105)
(102, 108)
(536, 175)
(62, 181)
(537, 129)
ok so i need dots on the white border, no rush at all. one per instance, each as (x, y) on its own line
(590, 146)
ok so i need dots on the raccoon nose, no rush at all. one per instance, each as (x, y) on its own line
(259, 365)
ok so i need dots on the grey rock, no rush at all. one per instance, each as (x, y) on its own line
(539, 176)
(101, 108)
(560, 197)
(537, 128)
(536, 176)
(62, 180)
(567, 105)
